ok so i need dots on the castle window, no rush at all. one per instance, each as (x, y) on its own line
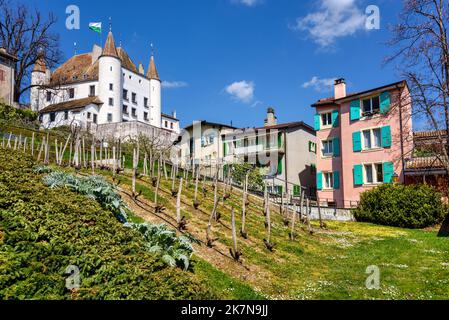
(110, 68)
(133, 112)
(88, 115)
(95, 118)
(52, 117)
(111, 102)
(134, 98)
(71, 93)
(171, 125)
(66, 115)
(145, 102)
(48, 96)
(125, 94)
(111, 87)
(109, 117)
(125, 109)
(92, 91)
(145, 116)
(166, 123)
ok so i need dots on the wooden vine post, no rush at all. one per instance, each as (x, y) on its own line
(134, 171)
(243, 232)
(196, 203)
(182, 223)
(268, 244)
(235, 252)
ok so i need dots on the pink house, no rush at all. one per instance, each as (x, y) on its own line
(363, 140)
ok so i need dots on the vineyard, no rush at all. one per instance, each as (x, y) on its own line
(51, 219)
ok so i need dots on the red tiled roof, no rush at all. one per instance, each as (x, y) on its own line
(424, 163)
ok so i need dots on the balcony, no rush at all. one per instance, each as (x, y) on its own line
(259, 148)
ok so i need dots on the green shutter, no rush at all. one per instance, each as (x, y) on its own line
(385, 102)
(280, 166)
(296, 191)
(386, 137)
(358, 175)
(336, 180)
(224, 149)
(355, 110)
(336, 147)
(388, 172)
(280, 140)
(319, 181)
(335, 118)
(317, 122)
(357, 141)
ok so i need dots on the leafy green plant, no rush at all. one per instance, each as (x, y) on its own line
(255, 179)
(175, 251)
(415, 206)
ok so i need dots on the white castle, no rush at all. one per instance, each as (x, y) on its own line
(99, 89)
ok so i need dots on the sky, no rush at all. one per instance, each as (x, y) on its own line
(226, 61)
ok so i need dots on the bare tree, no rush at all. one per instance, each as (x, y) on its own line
(422, 39)
(27, 34)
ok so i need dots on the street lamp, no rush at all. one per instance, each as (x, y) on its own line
(395, 178)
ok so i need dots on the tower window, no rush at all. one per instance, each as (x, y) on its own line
(95, 118)
(111, 87)
(125, 94)
(125, 109)
(145, 102)
(66, 115)
(88, 115)
(92, 91)
(110, 68)
(145, 116)
(171, 125)
(111, 102)
(166, 123)
(109, 117)
(133, 112)
(52, 117)
(48, 96)
(134, 98)
(71, 93)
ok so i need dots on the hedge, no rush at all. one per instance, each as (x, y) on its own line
(414, 206)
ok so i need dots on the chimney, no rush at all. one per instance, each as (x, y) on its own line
(141, 69)
(339, 88)
(173, 114)
(271, 119)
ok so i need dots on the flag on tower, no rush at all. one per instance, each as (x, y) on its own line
(95, 26)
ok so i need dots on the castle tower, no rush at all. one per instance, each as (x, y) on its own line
(40, 76)
(155, 93)
(110, 83)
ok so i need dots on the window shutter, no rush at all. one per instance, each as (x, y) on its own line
(335, 118)
(336, 180)
(385, 102)
(280, 166)
(357, 141)
(386, 137)
(358, 175)
(317, 122)
(280, 140)
(319, 181)
(225, 151)
(336, 147)
(355, 110)
(296, 191)
(388, 172)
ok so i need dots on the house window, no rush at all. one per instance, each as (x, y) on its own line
(52, 117)
(71, 93)
(312, 147)
(92, 91)
(371, 106)
(328, 148)
(88, 115)
(133, 112)
(373, 173)
(372, 139)
(95, 118)
(145, 116)
(134, 97)
(328, 180)
(66, 115)
(145, 102)
(125, 109)
(125, 94)
(111, 102)
(109, 117)
(111, 87)
(48, 96)
(326, 119)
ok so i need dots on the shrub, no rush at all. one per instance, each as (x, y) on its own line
(44, 230)
(414, 206)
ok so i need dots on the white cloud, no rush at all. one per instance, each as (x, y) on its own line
(242, 91)
(248, 3)
(174, 84)
(320, 85)
(332, 20)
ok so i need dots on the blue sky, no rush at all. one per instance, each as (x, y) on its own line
(228, 60)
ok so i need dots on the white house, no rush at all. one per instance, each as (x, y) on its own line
(99, 89)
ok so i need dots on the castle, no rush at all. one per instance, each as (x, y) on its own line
(99, 89)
